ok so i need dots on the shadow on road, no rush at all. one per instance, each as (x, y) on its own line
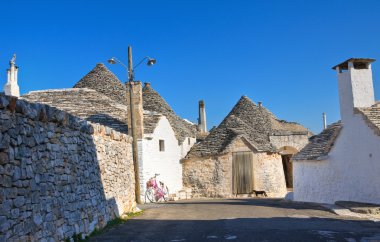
(243, 229)
(263, 202)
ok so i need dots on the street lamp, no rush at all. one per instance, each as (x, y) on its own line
(129, 68)
(130, 84)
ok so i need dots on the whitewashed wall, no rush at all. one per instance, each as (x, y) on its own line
(185, 147)
(166, 163)
(351, 171)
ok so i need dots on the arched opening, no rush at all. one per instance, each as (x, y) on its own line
(286, 155)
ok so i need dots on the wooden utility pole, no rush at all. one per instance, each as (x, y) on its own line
(133, 126)
(130, 65)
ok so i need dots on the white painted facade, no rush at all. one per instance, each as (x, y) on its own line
(167, 162)
(351, 170)
(355, 90)
(186, 146)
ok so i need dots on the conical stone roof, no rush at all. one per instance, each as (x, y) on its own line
(104, 81)
(321, 144)
(86, 104)
(246, 119)
(152, 101)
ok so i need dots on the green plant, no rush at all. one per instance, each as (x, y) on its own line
(76, 238)
(113, 223)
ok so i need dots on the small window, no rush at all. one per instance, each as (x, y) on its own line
(188, 141)
(162, 145)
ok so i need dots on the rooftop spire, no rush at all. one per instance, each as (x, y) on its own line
(11, 88)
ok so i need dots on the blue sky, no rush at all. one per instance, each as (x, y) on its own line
(277, 52)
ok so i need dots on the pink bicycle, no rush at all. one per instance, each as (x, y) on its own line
(154, 192)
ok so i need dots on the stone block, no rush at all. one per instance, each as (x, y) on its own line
(37, 219)
(12, 103)
(4, 141)
(4, 102)
(4, 159)
(19, 201)
(16, 174)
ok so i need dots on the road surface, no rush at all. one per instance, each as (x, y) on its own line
(250, 219)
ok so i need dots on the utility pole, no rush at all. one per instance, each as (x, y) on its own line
(324, 121)
(133, 127)
(135, 115)
(130, 65)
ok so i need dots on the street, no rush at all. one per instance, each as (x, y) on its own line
(250, 219)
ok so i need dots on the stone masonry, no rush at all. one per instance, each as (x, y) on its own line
(208, 167)
(59, 175)
(135, 87)
(212, 176)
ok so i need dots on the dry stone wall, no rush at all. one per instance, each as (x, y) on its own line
(59, 176)
(208, 177)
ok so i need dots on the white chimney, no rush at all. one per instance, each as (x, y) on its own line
(11, 88)
(202, 126)
(355, 86)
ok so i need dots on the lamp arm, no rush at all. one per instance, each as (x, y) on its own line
(146, 57)
(121, 63)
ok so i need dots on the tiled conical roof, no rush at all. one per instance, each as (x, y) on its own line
(103, 81)
(254, 123)
(152, 101)
(86, 104)
(321, 144)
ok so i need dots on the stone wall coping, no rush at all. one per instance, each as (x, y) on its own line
(107, 131)
(45, 113)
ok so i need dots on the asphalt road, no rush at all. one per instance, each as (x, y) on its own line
(241, 220)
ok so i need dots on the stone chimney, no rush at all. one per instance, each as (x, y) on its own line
(134, 94)
(11, 88)
(355, 86)
(202, 126)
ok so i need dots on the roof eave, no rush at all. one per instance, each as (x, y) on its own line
(320, 158)
(364, 60)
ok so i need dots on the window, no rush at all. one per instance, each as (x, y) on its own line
(162, 145)
(188, 141)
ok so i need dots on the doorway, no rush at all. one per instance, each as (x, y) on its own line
(288, 170)
(242, 173)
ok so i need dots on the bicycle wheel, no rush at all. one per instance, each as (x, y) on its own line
(149, 194)
(166, 193)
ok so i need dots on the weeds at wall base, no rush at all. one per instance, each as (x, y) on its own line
(111, 224)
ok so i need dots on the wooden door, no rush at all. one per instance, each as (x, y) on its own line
(242, 172)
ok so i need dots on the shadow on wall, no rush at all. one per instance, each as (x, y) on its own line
(243, 229)
(111, 122)
(55, 176)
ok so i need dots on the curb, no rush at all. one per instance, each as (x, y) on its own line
(341, 211)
